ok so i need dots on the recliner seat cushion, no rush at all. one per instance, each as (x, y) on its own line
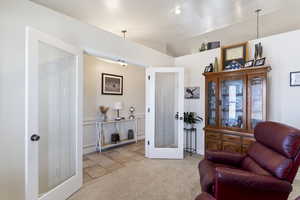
(272, 161)
(281, 138)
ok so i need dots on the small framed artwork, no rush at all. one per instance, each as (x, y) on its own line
(209, 68)
(192, 93)
(295, 79)
(260, 62)
(249, 63)
(112, 84)
(213, 45)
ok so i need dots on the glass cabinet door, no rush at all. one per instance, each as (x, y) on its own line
(232, 109)
(256, 87)
(212, 103)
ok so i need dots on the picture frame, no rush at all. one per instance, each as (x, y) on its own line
(111, 84)
(208, 69)
(260, 62)
(213, 45)
(249, 63)
(237, 52)
(295, 79)
(192, 92)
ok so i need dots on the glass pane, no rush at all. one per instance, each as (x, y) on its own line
(256, 85)
(232, 103)
(166, 107)
(57, 122)
(212, 104)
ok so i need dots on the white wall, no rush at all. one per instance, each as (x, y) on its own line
(282, 53)
(133, 95)
(15, 15)
(194, 67)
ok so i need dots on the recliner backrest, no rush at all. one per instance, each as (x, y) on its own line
(277, 149)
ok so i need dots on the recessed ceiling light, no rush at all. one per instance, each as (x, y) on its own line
(112, 4)
(177, 10)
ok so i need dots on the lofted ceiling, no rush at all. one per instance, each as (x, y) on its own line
(162, 23)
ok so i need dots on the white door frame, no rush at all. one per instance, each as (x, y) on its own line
(64, 190)
(150, 150)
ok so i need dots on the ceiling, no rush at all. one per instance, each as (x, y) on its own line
(162, 23)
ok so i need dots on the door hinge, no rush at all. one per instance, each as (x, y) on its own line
(149, 77)
(148, 109)
(148, 142)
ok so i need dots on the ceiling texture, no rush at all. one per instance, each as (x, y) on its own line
(175, 26)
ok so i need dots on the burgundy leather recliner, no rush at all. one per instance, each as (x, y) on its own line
(265, 172)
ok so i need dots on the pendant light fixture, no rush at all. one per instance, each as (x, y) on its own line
(258, 11)
(120, 61)
(124, 33)
(258, 47)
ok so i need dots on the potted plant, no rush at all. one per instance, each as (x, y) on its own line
(191, 118)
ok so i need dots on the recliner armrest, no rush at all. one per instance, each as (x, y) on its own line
(224, 157)
(246, 185)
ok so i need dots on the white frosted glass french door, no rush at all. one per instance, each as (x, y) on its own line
(53, 117)
(164, 112)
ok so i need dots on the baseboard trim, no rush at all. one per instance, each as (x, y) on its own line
(89, 149)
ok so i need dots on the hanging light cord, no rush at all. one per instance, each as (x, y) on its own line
(257, 22)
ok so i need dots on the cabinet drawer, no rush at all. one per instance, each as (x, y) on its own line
(231, 147)
(213, 136)
(213, 145)
(232, 138)
(248, 140)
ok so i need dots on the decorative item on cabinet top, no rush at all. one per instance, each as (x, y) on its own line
(235, 53)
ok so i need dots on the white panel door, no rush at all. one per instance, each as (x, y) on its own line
(53, 117)
(164, 112)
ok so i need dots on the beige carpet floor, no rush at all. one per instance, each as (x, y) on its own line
(148, 179)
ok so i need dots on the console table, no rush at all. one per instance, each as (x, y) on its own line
(100, 127)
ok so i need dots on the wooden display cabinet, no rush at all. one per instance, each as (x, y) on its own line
(235, 101)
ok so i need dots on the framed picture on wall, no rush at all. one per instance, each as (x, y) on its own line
(295, 79)
(112, 84)
(192, 92)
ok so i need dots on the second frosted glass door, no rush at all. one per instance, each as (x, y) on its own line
(166, 108)
(164, 117)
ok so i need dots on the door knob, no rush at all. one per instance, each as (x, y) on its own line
(35, 137)
(177, 116)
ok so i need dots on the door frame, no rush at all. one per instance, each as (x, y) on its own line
(150, 150)
(71, 185)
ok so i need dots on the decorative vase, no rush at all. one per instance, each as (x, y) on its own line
(130, 134)
(216, 65)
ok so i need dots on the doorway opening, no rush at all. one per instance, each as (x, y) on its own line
(114, 115)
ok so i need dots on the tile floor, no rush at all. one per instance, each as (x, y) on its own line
(96, 165)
